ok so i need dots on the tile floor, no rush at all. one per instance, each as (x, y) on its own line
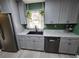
(33, 54)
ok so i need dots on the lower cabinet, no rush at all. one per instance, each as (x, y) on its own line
(27, 44)
(69, 45)
(39, 44)
(33, 42)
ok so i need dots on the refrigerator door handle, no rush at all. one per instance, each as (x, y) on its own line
(2, 33)
(3, 37)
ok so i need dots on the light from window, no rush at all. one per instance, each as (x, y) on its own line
(36, 20)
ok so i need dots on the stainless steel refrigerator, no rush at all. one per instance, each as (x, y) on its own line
(7, 34)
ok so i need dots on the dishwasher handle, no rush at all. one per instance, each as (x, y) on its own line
(51, 40)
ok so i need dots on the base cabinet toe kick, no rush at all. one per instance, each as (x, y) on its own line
(66, 45)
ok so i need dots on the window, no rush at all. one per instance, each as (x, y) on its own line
(36, 19)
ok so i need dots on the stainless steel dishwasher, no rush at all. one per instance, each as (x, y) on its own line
(51, 44)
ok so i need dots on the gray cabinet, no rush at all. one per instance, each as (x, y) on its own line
(52, 8)
(74, 11)
(68, 11)
(39, 43)
(33, 42)
(27, 43)
(61, 11)
(69, 45)
(20, 39)
(22, 11)
(65, 11)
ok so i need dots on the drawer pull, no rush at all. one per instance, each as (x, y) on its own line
(69, 43)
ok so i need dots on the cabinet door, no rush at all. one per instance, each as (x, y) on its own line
(52, 8)
(39, 43)
(73, 46)
(20, 40)
(68, 11)
(27, 43)
(65, 11)
(63, 47)
(22, 11)
(21, 43)
(74, 11)
(69, 45)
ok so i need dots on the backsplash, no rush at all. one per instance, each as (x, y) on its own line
(76, 29)
(24, 25)
(54, 26)
(57, 26)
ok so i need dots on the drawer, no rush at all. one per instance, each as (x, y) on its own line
(70, 38)
(37, 38)
(27, 38)
(39, 45)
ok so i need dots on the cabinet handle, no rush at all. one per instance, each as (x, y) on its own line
(67, 21)
(28, 37)
(2, 33)
(69, 43)
(33, 40)
(70, 39)
(51, 21)
(58, 39)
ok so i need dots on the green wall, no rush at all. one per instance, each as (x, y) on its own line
(58, 26)
(54, 26)
(76, 29)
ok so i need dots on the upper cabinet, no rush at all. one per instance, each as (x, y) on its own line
(22, 11)
(74, 11)
(65, 11)
(68, 11)
(52, 8)
(61, 11)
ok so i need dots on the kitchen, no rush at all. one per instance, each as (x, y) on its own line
(56, 31)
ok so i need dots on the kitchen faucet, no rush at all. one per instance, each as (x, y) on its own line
(36, 29)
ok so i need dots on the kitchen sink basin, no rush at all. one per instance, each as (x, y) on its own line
(38, 33)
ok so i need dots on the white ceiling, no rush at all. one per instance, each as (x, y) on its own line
(32, 1)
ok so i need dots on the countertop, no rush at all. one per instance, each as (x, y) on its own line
(51, 33)
(59, 33)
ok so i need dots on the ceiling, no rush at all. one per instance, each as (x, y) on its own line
(32, 1)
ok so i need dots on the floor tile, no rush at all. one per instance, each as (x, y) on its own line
(33, 54)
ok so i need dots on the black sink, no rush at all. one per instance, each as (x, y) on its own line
(38, 33)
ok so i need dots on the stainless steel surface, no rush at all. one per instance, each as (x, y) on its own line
(52, 44)
(7, 34)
